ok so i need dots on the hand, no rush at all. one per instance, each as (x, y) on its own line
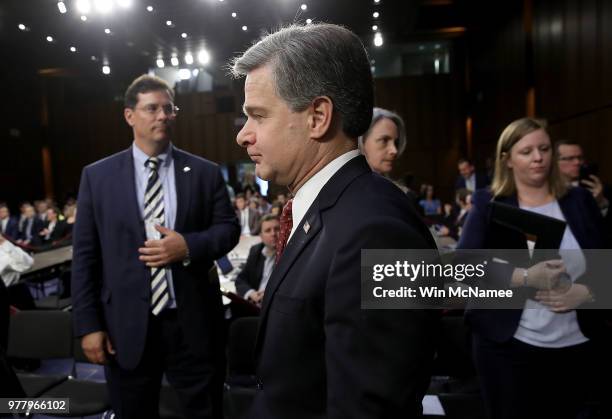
(561, 302)
(257, 297)
(172, 248)
(96, 346)
(2, 239)
(43, 232)
(544, 275)
(596, 187)
(444, 231)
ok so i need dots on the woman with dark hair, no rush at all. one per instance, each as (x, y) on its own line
(535, 362)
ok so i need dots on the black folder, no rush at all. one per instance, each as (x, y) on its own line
(547, 231)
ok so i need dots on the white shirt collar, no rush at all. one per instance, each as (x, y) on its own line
(309, 191)
(140, 158)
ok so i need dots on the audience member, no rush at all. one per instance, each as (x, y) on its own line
(248, 217)
(468, 177)
(13, 261)
(9, 227)
(252, 280)
(384, 141)
(29, 227)
(430, 204)
(55, 229)
(535, 362)
(41, 207)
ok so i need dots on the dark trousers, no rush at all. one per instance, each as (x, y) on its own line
(523, 381)
(194, 377)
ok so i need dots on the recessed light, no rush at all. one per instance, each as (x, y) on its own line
(72, 49)
(244, 28)
(304, 6)
(234, 14)
(22, 27)
(375, 15)
(49, 39)
(149, 8)
(168, 23)
(184, 35)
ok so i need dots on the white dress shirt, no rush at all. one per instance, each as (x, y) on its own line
(13, 261)
(309, 191)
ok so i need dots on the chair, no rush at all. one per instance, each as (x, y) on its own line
(40, 335)
(240, 387)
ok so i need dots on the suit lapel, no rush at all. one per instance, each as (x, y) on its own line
(182, 179)
(302, 236)
(127, 174)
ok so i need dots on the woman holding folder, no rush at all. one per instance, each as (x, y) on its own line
(535, 361)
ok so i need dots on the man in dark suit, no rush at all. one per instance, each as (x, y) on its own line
(308, 97)
(55, 229)
(29, 228)
(468, 177)
(8, 225)
(152, 219)
(252, 280)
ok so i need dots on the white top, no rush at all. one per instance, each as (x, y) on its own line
(539, 326)
(470, 183)
(13, 261)
(309, 191)
(244, 221)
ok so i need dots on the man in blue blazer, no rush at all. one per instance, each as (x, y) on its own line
(8, 225)
(308, 97)
(152, 219)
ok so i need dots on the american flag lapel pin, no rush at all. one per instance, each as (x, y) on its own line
(306, 227)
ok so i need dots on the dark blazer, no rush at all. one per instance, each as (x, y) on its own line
(482, 181)
(12, 229)
(585, 221)
(250, 276)
(319, 354)
(253, 220)
(111, 287)
(35, 225)
(60, 231)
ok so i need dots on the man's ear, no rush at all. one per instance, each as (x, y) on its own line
(320, 118)
(128, 114)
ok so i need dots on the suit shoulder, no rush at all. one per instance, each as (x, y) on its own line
(106, 162)
(195, 160)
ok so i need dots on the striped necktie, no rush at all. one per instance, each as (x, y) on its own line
(154, 213)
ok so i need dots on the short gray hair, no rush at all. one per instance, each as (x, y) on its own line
(377, 115)
(316, 60)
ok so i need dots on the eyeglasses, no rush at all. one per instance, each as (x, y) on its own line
(580, 159)
(153, 108)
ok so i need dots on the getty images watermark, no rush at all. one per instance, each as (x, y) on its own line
(481, 279)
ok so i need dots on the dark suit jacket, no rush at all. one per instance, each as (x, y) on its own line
(60, 231)
(585, 221)
(36, 226)
(250, 276)
(482, 181)
(111, 287)
(319, 354)
(12, 229)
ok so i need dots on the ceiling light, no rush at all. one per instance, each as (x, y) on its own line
(188, 58)
(374, 27)
(160, 63)
(84, 18)
(375, 15)
(107, 31)
(234, 14)
(244, 28)
(378, 39)
(174, 61)
(124, 3)
(105, 69)
(49, 38)
(149, 8)
(94, 58)
(308, 21)
(195, 72)
(184, 35)
(72, 49)
(376, 1)
(22, 27)
(203, 56)
(304, 6)
(184, 74)
(83, 6)
(61, 6)
(168, 23)
(103, 6)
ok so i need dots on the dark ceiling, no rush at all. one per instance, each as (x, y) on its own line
(139, 37)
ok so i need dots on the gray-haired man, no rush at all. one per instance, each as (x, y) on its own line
(308, 96)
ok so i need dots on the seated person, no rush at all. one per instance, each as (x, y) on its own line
(430, 205)
(248, 217)
(252, 281)
(8, 225)
(13, 261)
(55, 229)
(29, 227)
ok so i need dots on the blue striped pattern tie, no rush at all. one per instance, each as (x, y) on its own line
(154, 211)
